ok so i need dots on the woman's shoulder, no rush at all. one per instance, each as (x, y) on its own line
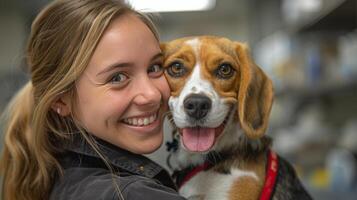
(97, 183)
(84, 183)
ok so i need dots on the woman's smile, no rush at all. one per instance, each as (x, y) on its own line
(150, 124)
(143, 120)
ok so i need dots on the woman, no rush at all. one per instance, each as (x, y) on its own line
(95, 102)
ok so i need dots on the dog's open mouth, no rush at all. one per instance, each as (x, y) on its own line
(201, 139)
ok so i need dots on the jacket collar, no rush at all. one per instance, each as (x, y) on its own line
(123, 159)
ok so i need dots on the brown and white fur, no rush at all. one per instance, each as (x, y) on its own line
(237, 97)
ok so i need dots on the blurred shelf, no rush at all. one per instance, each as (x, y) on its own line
(336, 16)
(320, 91)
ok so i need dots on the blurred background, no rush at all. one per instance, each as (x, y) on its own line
(307, 47)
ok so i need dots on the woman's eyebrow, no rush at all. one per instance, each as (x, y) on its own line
(125, 64)
(114, 66)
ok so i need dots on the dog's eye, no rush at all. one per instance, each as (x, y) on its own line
(176, 69)
(225, 71)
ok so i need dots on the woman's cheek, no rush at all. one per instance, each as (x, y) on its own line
(162, 85)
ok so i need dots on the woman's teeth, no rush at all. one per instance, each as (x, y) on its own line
(140, 121)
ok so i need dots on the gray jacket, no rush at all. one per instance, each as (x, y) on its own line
(86, 177)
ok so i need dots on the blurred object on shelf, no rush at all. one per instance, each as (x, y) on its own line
(348, 139)
(342, 160)
(310, 128)
(296, 10)
(320, 178)
(313, 66)
(319, 15)
(271, 52)
(318, 65)
(342, 166)
(289, 74)
(347, 46)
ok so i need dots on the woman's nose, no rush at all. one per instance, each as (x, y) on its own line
(147, 92)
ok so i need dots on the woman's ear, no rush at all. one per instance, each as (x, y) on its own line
(255, 95)
(62, 105)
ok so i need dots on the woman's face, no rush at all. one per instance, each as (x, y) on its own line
(122, 94)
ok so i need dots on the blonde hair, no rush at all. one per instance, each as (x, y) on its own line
(63, 38)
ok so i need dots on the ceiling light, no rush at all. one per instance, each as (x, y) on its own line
(171, 5)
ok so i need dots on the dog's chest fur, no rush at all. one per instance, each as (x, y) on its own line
(235, 178)
(212, 185)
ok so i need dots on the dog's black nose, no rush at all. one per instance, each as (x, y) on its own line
(197, 106)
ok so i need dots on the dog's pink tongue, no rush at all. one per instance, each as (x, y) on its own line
(198, 139)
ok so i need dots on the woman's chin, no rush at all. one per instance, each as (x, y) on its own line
(148, 146)
(149, 151)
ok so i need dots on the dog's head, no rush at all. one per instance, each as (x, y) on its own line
(214, 82)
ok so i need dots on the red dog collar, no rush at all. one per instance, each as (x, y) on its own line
(270, 179)
(271, 176)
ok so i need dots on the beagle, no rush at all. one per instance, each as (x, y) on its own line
(220, 104)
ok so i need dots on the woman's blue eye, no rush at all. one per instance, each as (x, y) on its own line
(157, 69)
(118, 78)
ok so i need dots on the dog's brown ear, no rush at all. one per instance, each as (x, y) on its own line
(255, 95)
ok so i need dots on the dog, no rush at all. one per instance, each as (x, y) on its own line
(219, 106)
